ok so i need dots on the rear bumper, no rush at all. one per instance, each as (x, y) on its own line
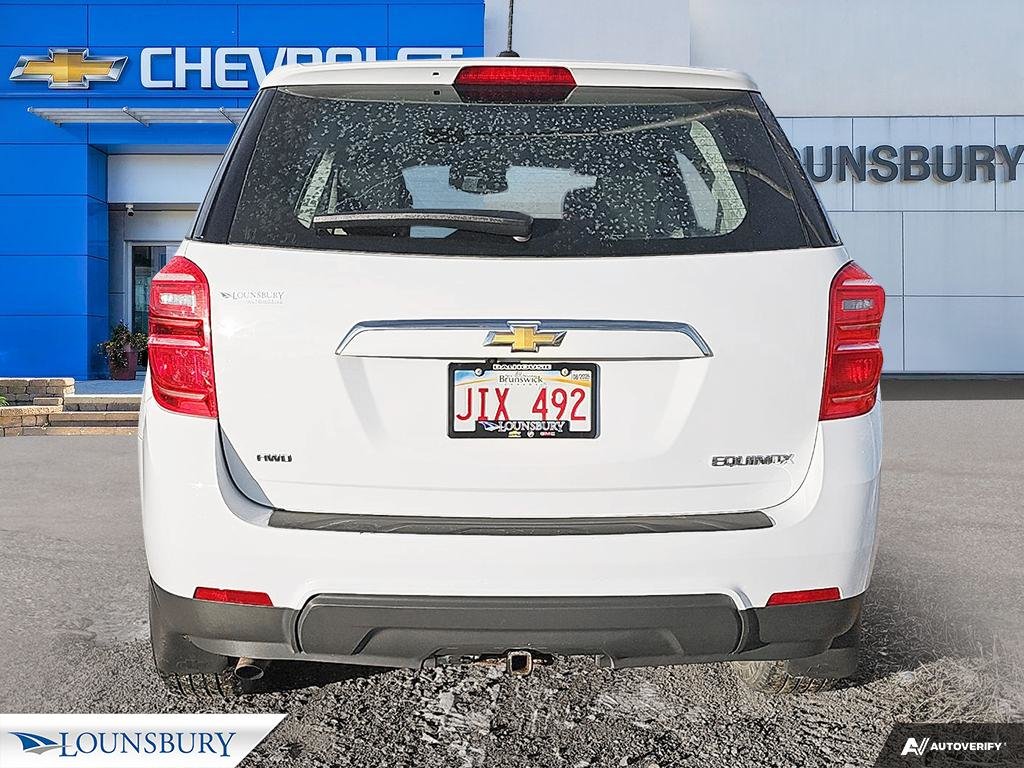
(200, 530)
(423, 631)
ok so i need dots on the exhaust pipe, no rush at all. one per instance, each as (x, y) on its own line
(249, 669)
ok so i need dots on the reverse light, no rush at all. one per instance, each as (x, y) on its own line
(853, 363)
(516, 83)
(236, 596)
(180, 348)
(804, 596)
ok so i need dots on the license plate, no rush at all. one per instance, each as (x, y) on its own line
(522, 399)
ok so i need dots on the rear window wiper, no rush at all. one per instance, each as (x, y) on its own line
(510, 223)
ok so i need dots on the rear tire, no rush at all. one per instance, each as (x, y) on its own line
(185, 669)
(811, 675)
(204, 686)
(773, 678)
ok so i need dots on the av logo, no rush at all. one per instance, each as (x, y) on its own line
(69, 68)
(915, 747)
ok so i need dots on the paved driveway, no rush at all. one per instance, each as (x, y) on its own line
(943, 629)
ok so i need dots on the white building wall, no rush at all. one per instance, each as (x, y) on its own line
(853, 73)
(948, 253)
(151, 178)
(869, 57)
(639, 31)
(927, 72)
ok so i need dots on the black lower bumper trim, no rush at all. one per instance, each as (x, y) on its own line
(619, 628)
(415, 631)
(520, 526)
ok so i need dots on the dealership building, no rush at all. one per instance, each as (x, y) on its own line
(909, 117)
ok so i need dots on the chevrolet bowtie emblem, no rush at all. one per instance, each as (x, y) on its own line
(69, 68)
(524, 337)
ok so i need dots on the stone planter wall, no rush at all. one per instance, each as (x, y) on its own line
(25, 391)
(30, 403)
(51, 407)
(17, 420)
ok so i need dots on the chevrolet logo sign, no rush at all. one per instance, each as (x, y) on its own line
(524, 337)
(69, 68)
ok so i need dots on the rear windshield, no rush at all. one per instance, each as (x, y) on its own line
(610, 171)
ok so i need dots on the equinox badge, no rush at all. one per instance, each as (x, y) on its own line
(751, 461)
(524, 337)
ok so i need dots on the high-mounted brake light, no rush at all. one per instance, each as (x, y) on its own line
(853, 363)
(237, 596)
(514, 83)
(180, 348)
(804, 596)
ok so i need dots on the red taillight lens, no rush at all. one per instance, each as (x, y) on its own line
(804, 596)
(515, 83)
(237, 596)
(853, 364)
(180, 350)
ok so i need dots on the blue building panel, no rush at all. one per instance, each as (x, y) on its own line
(19, 126)
(313, 25)
(47, 284)
(48, 345)
(97, 275)
(56, 249)
(43, 24)
(39, 169)
(434, 24)
(246, 3)
(44, 224)
(97, 330)
(96, 182)
(154, 25)
(97, 229)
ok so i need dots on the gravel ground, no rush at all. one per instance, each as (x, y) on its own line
(941, 638)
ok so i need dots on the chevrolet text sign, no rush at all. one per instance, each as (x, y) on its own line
(192, 68)
(240, 67)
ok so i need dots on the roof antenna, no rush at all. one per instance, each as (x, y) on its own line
(508, 52)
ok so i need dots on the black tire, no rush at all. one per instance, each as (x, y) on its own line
(773, 678)
(185, 669)
(813, 674)
(204, 686)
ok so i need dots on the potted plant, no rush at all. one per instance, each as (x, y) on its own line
(122, 352)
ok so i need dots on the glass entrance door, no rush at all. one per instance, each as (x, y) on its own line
(147, 260)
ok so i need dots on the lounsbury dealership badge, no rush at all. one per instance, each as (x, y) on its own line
(128, 740)
(914, 162)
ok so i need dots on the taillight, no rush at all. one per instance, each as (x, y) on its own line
(804, 596)
(515, 83)
(180, 349)
(236, 596)
(853, 363)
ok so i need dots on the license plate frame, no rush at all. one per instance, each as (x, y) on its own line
(481, 367)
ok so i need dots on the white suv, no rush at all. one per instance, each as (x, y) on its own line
(502, 360)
